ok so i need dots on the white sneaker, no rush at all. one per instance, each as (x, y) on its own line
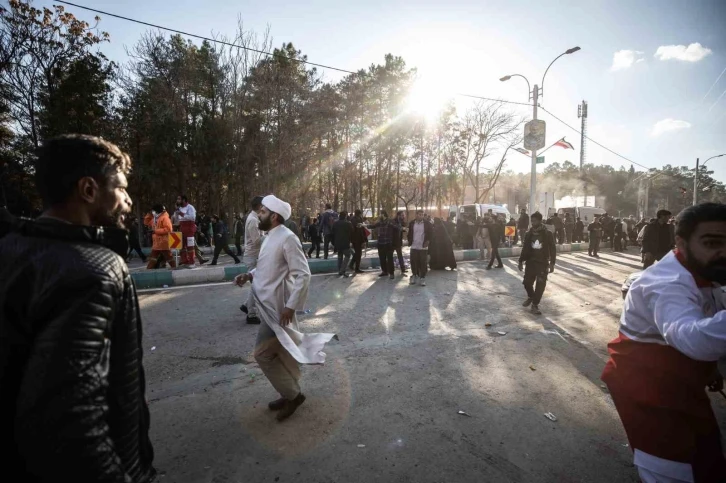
(413, 280)
(423, 282)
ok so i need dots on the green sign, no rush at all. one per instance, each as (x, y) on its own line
(540, 159)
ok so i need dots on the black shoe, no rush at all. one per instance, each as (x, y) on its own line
(499, 266)
(488, 267)
(359, 271)
(203, 261)
(213, 263)
(277, 404)
(527, 303)
(535, 309)
(253, 320)
(143, 260)
(243, 308)
(237, 261)
(289, 407)
(383, 274)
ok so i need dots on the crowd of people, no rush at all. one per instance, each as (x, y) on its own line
(72, 381)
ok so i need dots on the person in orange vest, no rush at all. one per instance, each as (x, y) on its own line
(158, 220)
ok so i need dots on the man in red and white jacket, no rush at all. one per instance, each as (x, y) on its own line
(672, 333)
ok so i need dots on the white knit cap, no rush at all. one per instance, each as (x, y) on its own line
(275, 204)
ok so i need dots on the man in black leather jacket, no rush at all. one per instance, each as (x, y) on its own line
(72, 404)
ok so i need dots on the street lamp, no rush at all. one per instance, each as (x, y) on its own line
(695, 177)
(535, 93)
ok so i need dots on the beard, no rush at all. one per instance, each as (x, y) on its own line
(713, 271)
(265, 224)
(113, 219)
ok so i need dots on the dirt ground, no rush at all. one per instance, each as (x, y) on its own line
(385, 407)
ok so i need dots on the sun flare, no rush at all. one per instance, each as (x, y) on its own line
(427, 99)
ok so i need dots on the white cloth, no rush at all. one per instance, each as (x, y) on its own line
(419, 233)
(665, 306)
(253, 236)
(282, 208)
(187, 213)
(280, 281)
(653, 469)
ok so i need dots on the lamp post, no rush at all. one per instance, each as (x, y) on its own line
(535, 93)
(695, 177)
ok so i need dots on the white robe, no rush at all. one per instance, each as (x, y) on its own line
(281, 280)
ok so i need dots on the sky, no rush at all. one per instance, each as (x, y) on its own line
(647, 68)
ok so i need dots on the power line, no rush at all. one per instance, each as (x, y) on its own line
(264, 52)
(592, 140)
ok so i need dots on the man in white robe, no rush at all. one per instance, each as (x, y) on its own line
(279, 288)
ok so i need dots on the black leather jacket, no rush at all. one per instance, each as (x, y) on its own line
(72, 405)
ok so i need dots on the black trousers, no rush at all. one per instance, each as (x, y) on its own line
(314, 245)
(495, 254)
(535, 272)
(419, 263)
(577, 236)
(327, 242)
(358, 253)
(385, 255)
(560, 235)
(238, 244)
(617, 243)
(594, 246)
(135, 247)
(401, 263)
(219, 247)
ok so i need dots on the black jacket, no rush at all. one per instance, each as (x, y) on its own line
(496, 232)
(428, 232)
(543, 238)
(342, 232)
(658, 239)
(72, 403)
(523, 222)
(220, 231)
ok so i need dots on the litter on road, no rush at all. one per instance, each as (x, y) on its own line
(488, 324)
(501, 333)
(550, 416)
(532, 368)
(361, 446)
(463, 413)
(153, 348)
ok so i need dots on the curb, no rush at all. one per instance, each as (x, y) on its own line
(164, 278)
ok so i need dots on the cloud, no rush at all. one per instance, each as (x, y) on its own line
(667, 125)
(623, 59)
(692, 53)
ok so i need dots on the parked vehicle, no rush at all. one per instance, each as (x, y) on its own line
(479, 210)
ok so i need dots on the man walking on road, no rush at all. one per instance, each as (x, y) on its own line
(386, 231)
(539, 254)
(280, 287)
(569, 228)
(658, 239)
(420, 233)
(496, 232)
(595, 231)
(72, 384)
(187, 216)
(327, 220)
(221, 241)
(358, 239)
(160, 224)
(239, 232)
(559, 228)
(672, 333)
(253, 243)
(579, 231)
(342, 232)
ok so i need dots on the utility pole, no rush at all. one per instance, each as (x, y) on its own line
(695, 185)
(533, 180)
(582, 114)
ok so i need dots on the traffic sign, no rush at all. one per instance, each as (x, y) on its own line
(510, 230)
(534, 134)
(175, 240)
(540, 159)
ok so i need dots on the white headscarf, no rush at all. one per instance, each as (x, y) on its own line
(275, 204)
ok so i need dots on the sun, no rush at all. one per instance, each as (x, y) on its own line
(427, 98)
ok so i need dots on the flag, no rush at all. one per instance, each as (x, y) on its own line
(563, 144)
(523, 151)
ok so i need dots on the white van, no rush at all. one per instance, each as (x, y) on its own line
(479, 210)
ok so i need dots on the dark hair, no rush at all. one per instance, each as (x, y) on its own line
(64, 160)
(688, 219)
(358, 212)
(419, 211)
(384, 213)
(256, 202)
(663, 213)
(537, 215)
(343, 215)
(184, 198)
(328, 206)
(158, 207)
(215, 217)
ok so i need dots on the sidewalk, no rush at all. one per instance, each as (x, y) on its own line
(226, 271)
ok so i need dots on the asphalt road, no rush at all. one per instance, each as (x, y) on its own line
(384, 408)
